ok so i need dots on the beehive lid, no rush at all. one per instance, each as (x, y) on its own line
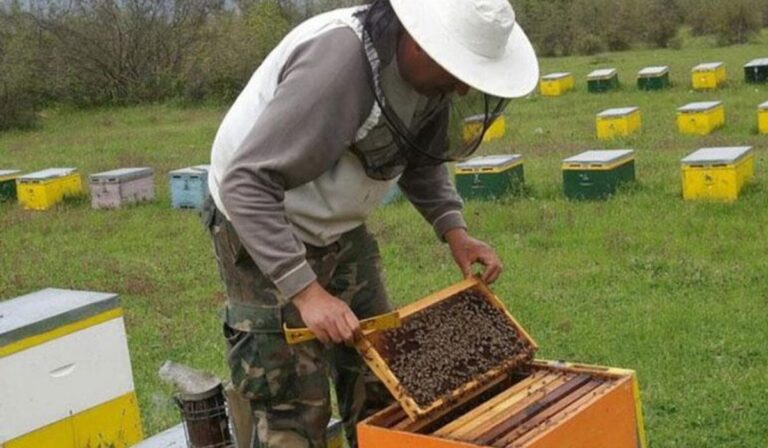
(649, 72)
(120, 175)
(50, 173)
(717, 156)
(490, 162)
(757, 63)
(189, 171)
(173, 437)
(205, 168)
(9, 174)
(602, 73)
(450, 345)
(618, 112)
(700, 106)
(601, 156)
(558, 75)
(707, 66)
(47, 309)
(480, 118)
(763, 106)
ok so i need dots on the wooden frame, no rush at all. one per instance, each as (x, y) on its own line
(458, 396)
(557, 404)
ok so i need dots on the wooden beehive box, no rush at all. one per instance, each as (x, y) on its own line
(617, 122)
(8, 184)
(597, 174)
(709, 75)
(474, 125)
(717, 173)
(556, 84)
(756, 71)
(653, 78)
(602, 80)
(189, 186)
(762, 118)
(65, 372)
(700, 118)
(115, 188)
(490, 177)
(514, 402)
(44, 189)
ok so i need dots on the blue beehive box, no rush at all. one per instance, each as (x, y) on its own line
(393, 195)
(189, 186)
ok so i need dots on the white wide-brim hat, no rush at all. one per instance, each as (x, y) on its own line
(477, 41)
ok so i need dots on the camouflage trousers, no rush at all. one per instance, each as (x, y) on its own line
(288, 385)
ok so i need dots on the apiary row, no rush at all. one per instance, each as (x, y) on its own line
(708, 173)
(697, 118)
(705, 76)
(42, 190)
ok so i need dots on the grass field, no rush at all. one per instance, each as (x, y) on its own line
(675, 290)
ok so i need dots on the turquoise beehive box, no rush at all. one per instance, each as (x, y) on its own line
(189, 186)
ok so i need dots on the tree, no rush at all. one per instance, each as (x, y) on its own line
(123, 50)
(18, 76)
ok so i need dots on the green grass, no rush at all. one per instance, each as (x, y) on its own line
(675, 290)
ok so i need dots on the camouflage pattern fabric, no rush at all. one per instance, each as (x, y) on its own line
(288, 385)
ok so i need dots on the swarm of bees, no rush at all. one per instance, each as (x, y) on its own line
(444, 346)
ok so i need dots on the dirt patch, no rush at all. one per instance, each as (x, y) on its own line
(449, 344)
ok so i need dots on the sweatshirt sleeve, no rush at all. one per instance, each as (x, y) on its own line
(428, 186)
(323, 97)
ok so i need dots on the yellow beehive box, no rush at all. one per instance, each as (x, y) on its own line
(65, 372)
(474, 125)
(700, 118)
(717, 173)
(556, 84)
(44, 189)
(618, 122)
(709, 75)
(762, 118)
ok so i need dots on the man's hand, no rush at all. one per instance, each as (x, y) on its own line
(467, 251)
(329, 318)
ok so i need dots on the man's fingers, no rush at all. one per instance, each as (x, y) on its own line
(335, 333)
(492, 265)
(492, 273)
(321, 335)
(354, 326)
(344, 330)
(466, 267)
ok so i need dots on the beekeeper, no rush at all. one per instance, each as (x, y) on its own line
(350, 103)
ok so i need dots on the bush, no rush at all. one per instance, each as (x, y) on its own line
(17, 73)
(235, 47)
(589, 44)
(738, 21)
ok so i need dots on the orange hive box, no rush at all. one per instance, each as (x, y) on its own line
(517, 402)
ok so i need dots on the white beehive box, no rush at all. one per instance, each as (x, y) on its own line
(115, 188)
(65, 372)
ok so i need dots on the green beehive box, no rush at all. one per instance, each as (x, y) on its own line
(490, 177)
(8, 184)
(653, 78)
(597, 174)
(603, 80)
(756, 71)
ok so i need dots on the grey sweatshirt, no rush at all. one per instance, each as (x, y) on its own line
(292, 180)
